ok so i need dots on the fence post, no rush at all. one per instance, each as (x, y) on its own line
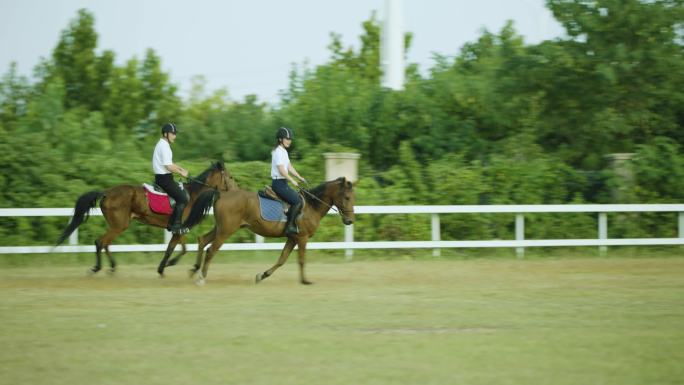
(603, 231)
(73, 238)
(520, 234)
(436, 234)
(349, 237)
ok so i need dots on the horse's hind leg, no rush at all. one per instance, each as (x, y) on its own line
(289, 245)
(112, 262)
(98, 258)
(105, 241)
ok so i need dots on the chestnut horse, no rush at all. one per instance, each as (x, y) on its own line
(122, 203)
(236, 209)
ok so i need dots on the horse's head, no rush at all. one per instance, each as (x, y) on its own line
(219, 177)
(344, 200)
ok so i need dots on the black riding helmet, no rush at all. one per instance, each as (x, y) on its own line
(169, 128)
(284, 133)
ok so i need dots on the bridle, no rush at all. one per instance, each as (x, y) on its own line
(224, 178)
(330, 207)
(335, 208)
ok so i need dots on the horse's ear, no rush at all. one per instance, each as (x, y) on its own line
(349, 185)
(220, 165)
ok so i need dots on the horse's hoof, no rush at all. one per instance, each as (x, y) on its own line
(111, 271)
(258, 278)
(171, 262)
(92, 271)
(161, 274)
(305, 282)
(200, 281)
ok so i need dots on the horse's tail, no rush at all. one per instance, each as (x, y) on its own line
(81, 213)
(203, 203)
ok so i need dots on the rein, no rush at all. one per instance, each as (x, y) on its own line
(223, 178)
(330, 207)
(193, 180)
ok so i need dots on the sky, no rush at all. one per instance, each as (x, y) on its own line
(249, 46)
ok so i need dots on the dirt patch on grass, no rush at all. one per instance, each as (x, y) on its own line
(418, 330)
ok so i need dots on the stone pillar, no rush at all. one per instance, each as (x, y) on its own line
(344, 164)
(339, 164)
(621, 165)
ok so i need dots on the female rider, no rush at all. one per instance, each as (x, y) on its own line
(282, 171)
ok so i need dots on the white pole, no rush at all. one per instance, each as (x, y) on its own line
(519, 234)
(392, 46)
(603, 231)
(680, 215)
(349, 238)
(73, 238)
(436, 234)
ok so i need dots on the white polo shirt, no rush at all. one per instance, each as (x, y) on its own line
(162, 157)
(279, 157)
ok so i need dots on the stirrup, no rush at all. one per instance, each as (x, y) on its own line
(291, 231)
(179, 230)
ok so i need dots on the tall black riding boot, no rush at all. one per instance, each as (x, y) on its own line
(175, 225)
(292, 214)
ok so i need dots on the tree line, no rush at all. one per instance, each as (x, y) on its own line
(497, 121)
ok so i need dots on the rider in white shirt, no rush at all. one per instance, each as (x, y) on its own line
(163, 167)
(282, 171)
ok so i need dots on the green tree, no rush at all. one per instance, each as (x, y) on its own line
(124, 109)
(658, 169)
(160, 103)
(14, 97)
(76, 63)
(624, 69)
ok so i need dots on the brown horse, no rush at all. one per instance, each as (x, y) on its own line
(236, 209)
(122, 203)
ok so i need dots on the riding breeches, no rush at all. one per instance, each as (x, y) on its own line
(285, 192)
(166, 182)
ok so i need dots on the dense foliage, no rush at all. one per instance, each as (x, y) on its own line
(498, 122)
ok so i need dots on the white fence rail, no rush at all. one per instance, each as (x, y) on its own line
(519, 243)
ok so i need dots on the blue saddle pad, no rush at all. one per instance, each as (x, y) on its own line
(271, 210)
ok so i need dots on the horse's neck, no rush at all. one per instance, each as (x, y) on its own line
(325, 204)
(194, 192)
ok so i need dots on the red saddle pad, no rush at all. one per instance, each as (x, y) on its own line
(159, 202)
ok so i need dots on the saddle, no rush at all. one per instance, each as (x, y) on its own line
(272, 208)
(159, 201)
(268, 193)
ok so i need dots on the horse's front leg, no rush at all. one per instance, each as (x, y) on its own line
(202, 242)
(289, 245)
(174, 261)
(302, 260)
(169, 250)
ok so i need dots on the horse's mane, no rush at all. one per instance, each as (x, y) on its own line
(196, 183)
(318, 192)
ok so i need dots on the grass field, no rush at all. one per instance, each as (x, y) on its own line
(572, 321)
